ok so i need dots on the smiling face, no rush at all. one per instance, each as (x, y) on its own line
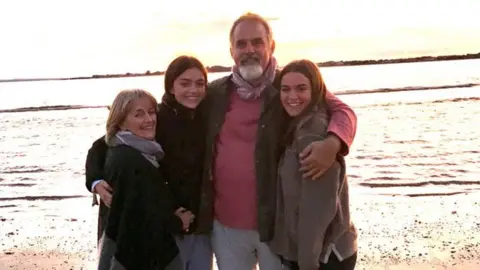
(189, 88)
(141, 118)
(251, 48)
(295, 93)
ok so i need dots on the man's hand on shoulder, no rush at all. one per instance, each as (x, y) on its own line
(318, 156)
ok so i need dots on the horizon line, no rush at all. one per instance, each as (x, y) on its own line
(220, 68)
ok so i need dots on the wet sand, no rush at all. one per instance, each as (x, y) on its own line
(395, 232)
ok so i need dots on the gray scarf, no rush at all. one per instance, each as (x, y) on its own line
(151, 150)
(246, 90)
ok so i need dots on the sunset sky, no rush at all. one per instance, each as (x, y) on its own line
(73, 38)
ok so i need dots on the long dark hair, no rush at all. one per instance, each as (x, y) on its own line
(310, 70)
(176, 68)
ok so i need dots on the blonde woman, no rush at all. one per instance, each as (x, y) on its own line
(142, 215)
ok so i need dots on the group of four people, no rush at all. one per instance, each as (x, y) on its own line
(249, 167)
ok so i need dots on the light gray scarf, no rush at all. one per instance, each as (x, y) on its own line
(151, 150)
(248, 91)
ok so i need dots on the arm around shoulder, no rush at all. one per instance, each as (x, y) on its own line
(343, 121)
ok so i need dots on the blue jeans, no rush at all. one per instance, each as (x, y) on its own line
(241, 249)
(195, 251)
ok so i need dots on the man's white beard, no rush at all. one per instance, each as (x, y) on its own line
(251, 72)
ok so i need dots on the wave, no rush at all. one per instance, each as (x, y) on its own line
(418, 184)
(426, 194)
(18, 185)
(448, 100)
(338, 93)
(8, 206)
(404, 89)
(51, 108)
(42, 198)
(15, 170)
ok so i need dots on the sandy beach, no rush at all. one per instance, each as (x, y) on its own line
(395, 233)
(410, 71)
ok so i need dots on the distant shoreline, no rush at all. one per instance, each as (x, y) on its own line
(217, 68)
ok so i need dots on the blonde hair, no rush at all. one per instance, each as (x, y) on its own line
(120, 108)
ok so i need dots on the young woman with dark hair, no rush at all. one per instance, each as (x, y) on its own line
(312, 228)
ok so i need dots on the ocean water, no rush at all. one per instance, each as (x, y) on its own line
(423, 140)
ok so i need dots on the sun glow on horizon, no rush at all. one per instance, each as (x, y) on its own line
(56, 38)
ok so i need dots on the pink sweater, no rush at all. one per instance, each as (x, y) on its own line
(234, 177)
(235, 182)
(343, 123)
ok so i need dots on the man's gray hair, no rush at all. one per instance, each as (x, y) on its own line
(252, 17)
